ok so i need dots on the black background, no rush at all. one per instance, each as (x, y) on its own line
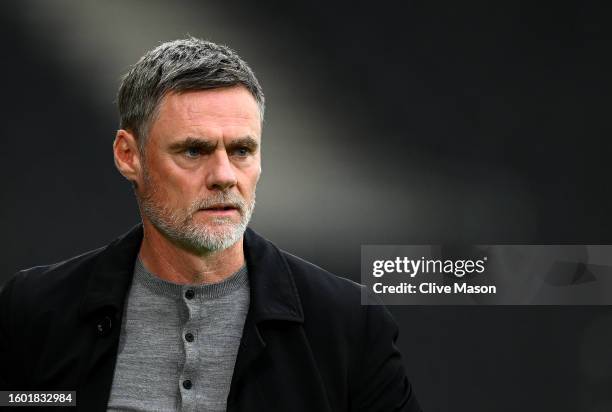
(387, 123)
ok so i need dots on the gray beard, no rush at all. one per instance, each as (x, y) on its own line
(180, 228)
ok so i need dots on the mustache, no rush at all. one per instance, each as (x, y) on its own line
(227, 198)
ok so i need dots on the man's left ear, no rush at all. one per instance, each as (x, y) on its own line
(127, 155)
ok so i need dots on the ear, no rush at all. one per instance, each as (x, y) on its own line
(127, 156)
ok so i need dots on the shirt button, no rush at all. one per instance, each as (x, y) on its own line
(189, 294)
(187, 384)
(189, 337)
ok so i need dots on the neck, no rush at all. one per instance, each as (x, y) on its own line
(170, 262)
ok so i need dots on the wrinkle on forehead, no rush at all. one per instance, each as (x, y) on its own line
(228, 112)
(223, 104)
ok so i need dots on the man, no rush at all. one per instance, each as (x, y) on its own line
(192, 310)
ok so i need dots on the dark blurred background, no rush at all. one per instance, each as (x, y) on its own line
(388, 123)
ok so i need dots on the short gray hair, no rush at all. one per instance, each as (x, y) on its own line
(177, 66)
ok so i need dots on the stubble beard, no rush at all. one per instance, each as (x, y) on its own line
(179, 225)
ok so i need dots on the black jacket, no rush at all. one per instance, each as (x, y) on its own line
(308, 344)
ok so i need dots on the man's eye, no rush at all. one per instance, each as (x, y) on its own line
(192, 152)
(242, 151)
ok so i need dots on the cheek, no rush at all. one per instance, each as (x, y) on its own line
(253, 179)
(247, 186)
(185, 188)
(172, 186)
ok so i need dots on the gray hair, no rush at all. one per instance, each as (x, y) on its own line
(177, 66)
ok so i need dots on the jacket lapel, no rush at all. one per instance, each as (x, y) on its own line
(101, 312)
(273, 297)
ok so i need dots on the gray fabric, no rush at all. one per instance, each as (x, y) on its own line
(154, 356)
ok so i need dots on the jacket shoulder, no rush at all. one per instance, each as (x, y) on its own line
(40, 286)
(331, 298)
(335, 304)
(314, 282)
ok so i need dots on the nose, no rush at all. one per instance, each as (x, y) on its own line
(220, 174)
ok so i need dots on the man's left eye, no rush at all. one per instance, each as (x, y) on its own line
(242, 151)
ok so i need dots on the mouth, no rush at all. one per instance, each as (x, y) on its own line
(220, 206)
(221, 209)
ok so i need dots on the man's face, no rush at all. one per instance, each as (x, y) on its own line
(201, 166)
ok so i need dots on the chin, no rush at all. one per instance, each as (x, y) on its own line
(220, 235)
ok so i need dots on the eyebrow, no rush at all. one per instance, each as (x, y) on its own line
(247, 142)
(207, 146)
(204, 145)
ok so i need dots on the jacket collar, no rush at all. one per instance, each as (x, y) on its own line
(274, 295)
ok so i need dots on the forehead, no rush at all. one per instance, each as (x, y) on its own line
(225, 111)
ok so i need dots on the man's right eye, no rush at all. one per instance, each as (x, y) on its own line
(192, 152)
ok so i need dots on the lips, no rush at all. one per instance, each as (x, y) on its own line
(220, 207)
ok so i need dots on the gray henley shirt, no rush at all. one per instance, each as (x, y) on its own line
(178, 343)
